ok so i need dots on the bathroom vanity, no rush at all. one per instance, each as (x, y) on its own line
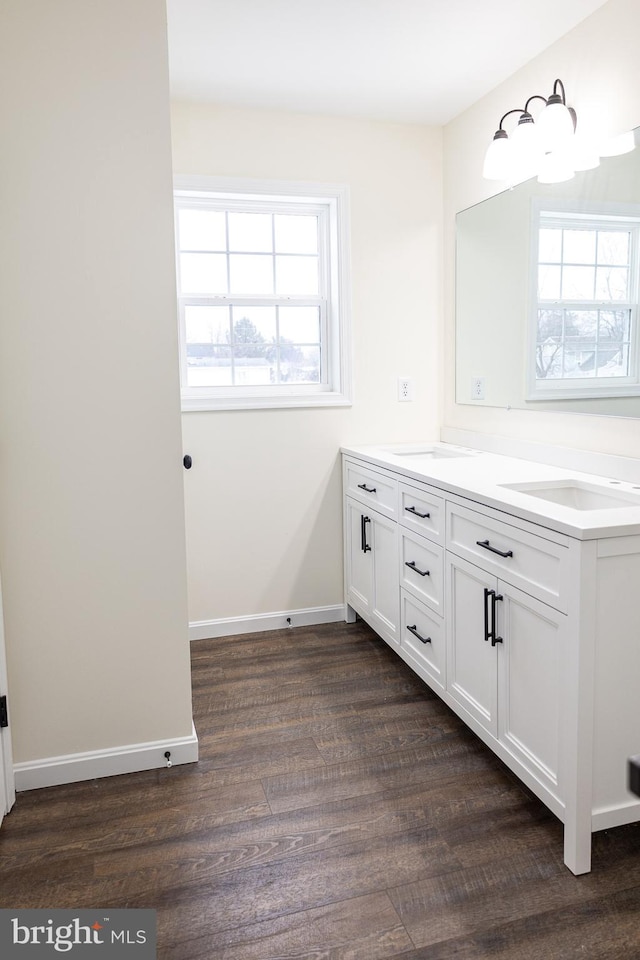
(512, 588)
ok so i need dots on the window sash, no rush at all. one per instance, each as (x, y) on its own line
(330, 206)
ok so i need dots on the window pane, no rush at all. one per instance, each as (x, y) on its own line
(613, 361)
(251, 232)
(296, 275)
(206, 324)
(550, 245)
(549, 282)
(254, 325)
(613, 247)
(579, 359)
(201, 230)
(612, 283)
(299, 324)
(253, 371)
(550, 324)
(203, 273)
(299, 364)
(615, 325)
(581, 324)
(549, 359)
(211, 369)
(296, 234)
(251, 274)
(578, 283)
(579, 246)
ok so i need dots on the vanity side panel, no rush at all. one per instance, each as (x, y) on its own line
(617, 680)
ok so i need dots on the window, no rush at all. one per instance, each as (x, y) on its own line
(585, 318)
(262, 277)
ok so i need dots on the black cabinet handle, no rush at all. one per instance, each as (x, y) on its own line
(423, 516)
(364, 546)
(412, 566)
(487, 546)
(495, 597)
(363, 486)
(187, 461)
(486, 613)
(414, 631)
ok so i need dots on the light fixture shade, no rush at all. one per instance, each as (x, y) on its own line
(555, 168)
(616, 146)
(527, 149)
(555, 125)
(526, 136)
(498, 161)
(583, 153)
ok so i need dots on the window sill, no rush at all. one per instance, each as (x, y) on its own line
(202, 404)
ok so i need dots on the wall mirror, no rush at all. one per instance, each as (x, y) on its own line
(547, 293)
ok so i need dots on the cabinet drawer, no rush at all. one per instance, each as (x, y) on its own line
(422, 569)
(372, 488)
(422, 511)
(539, 567)
(422, 641)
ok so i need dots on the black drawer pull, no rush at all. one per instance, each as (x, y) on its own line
(412, 565)
(487, 546)
(363, 486)
(423, 516)
(414, 631)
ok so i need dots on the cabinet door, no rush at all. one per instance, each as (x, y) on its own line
(385, 609)
(529, 663)
(372, 569)
(359, 562)
(471, 659)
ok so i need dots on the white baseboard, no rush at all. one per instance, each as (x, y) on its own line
(130, 758)
(228, 626)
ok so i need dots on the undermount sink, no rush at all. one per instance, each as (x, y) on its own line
(426, 452)
(576, 494)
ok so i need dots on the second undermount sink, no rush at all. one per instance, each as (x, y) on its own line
(577, 494)
(429, 452)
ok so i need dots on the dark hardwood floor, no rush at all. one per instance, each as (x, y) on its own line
(339, 811)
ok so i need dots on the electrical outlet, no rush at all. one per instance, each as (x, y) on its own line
(477, 388)
(405, 389)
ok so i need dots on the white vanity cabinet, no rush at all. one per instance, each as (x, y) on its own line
(530, 634)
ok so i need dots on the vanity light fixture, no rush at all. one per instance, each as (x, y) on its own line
(547, 146)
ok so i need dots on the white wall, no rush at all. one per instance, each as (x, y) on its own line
(599, 64)
(91, 516)
(263, 500)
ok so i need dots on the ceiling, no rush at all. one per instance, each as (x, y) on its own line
(420, 61)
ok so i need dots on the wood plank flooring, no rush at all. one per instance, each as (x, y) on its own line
(339, 811)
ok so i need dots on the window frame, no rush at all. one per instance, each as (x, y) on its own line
(568, 215)
(331, 202)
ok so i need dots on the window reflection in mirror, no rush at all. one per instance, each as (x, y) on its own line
(547, 287)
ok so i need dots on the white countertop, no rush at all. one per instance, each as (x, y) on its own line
(479, 476)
